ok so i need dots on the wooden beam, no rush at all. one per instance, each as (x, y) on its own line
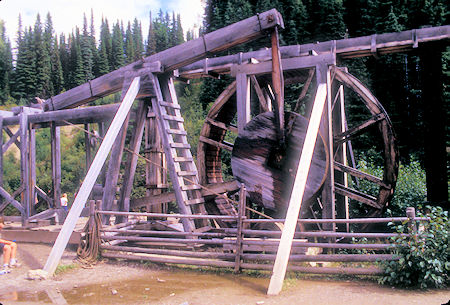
(55, 138)
(12, 139)
(295, 201)
(242, 100)
(11, 134)
(91, 177)
(24, 169)
(357, 195)
(11, 200)
(132, 158)
(264, 107)
(350, 133)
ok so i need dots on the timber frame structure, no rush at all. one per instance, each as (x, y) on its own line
(199, 188)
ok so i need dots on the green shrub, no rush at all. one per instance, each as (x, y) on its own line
(423, 255)
(410, 190)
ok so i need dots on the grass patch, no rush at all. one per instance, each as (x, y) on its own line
(64, 268)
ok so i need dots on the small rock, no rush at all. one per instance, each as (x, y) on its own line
(172, 294)
(113, 291)
(147, 289)
(75, 286)
(160, 280)
(37, 274)
(88, 294)
(260, 302)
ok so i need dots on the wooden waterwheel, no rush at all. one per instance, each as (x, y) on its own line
(266, 170)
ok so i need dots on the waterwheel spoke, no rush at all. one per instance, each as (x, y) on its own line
(351, 133)
(224, 144)
(357, 195)
(359, 174)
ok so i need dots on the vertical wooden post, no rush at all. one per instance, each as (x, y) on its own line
(132, 158)
(411, 214)
(344, 151)
(24, 164)
(32, 169)
(55, 134)
(91, 214)
(242, 100)
(296, 198)
(91, 177)
(87, 146)
(101, 131)
(278, 85)
(241, 213)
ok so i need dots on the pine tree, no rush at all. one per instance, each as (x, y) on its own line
(43, 85)
(86, 52)
(117, 56)
(179, 32)
(161, 31)
(25, 73)
(57, 77)
(106, 43)
(5, 64)
(151, 39)
(137, 39)
(76, 75)
(93, 47)
(129, 45)
(64, 56)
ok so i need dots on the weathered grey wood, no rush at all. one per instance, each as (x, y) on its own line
(242, 100)
(279, 268)
(357, 195)
(239, 237)
(357, 173)
(11, 134)
(11, 200)
(44, 196)
(32, 170)
(87, 146)
(12, 139)
(162, 215)
(347, 48)
(351, 133)
(132, 158)
(88, 183)
(278, 86)
(24, 169)
(263, 106)
(55, 134)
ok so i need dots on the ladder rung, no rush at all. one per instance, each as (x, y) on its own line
(171, 105)
(176, 131)
(180, 145)
(187, 173)
(190, 187)
(172, 118)
(194, 201)
(183, 159)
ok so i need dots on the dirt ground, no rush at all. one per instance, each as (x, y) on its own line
(112, 282)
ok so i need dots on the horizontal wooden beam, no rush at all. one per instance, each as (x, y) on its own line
(346, 48)
(359, 174)
(92, 114)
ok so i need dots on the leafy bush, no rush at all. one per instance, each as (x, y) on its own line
(423, 255)
(410, 190)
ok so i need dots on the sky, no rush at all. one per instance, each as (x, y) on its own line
(66, 14)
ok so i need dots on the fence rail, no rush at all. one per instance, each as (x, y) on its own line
(248, 248)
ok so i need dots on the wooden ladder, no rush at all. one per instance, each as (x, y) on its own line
(182, 168)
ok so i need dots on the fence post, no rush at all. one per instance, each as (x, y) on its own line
(91, 214)
(241, 211)
(411, 214)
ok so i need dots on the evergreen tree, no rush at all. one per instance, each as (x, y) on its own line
(137, 40)
(179, 36)
(93, 47)
(161, 33)
(86, 52)
(43, 85)
(5, 64)
(104, 49)
(64, 57)
(129, 45)
(117, 56)
(25, 73)
(57, 77)
(76, 74)
(151, 39)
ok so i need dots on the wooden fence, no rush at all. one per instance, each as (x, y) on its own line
(155, 237)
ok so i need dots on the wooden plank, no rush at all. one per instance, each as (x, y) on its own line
(32, 170)
(357, 195)
(242, 100)
(24, 169)
(11, 134)
(132, 158)
(357, 173)
(279, 269)
(221, 125)
(55, 134)
(346, 48)
(261, 98)
(239, 236)
(351, 133)
(12, 139)
(44, 196)
(278, 86)
(224, 145)
(11, 200)
(88, 183)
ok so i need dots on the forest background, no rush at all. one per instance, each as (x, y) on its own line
(46, 63)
